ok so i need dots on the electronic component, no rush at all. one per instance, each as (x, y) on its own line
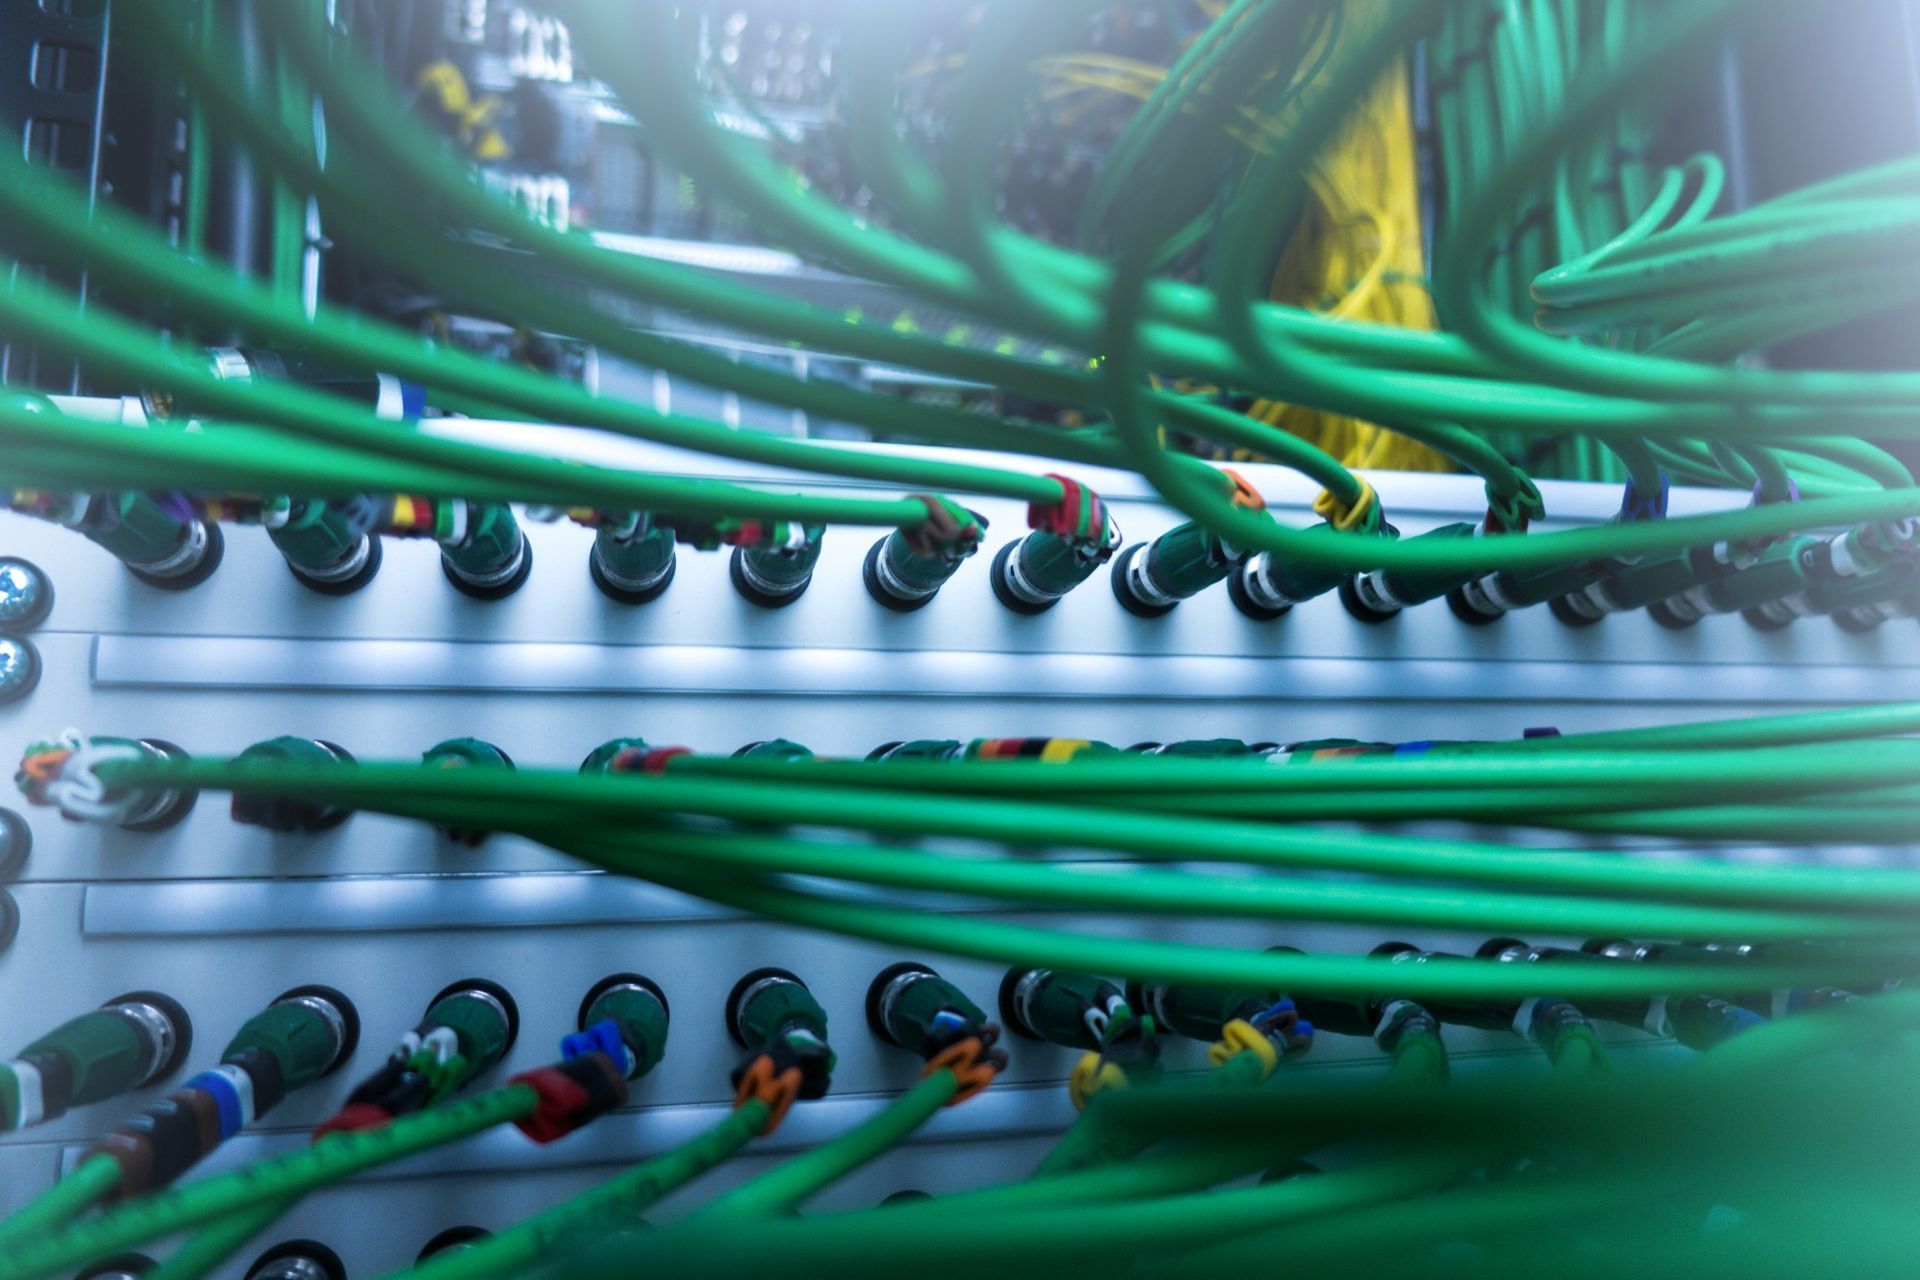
(1070, 541)
(61, 773)
(467, 1028)
(636, 1009)
(904, 571)
(465, 753)
(127, 1043)
(284, 814)
(911, 1006)
(773, 1017)
(328, 545)
(482, 549)
(303, 1035)
(774, 573)
(1150, 578)
(632, 558)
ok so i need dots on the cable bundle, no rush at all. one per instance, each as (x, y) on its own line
(1597, 319)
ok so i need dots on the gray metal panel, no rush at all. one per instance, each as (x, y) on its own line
(225, 917)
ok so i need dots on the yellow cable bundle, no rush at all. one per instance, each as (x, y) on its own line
(1357, 253)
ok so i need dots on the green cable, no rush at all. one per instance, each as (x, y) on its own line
(178, 1208)
(113, 343)
(1458, 274)
(1028, 823)
(547, 1236)
(1001, 943)
(1192, 1167)
(214, 1243)
(1881, 891)
(1795, 728)
(405, 246)
(117, 247)
(1090, 1142)
(879, 1242)
(1180, 893)
(92, 1181)
(788, 1187)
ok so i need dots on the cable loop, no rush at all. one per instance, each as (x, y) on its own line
(972, 1065)
(1092, 1075)
(1347, 516)
(1240, 1036)
(949, 529)
(1244, 496)
(779, 1091)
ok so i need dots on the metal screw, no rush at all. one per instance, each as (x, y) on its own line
(26, 595)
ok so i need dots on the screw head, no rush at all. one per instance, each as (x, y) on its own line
(26, 595)
(19, 668)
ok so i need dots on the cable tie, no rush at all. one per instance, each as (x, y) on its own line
(1653, 506)
(779, 1090)
(1092, 1075)
(1240, 1036)
(972, 1064)
(949, 528)
(602, 1037)
(1346, 516)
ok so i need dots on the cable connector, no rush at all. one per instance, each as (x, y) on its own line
(1244, 495)
(950, 530)
(572, 1093)
(973, 1061)
(1635, 505)
(787, 1070)
(1515, 511)
(63, 773)
(1080, 516)
(1400, 1019)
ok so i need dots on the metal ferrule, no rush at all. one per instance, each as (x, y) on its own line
(1019, 585)
(891, 583)
(1024, 992)
(752, 993)
(625, 583)
(471, 993)
(336, 1021)
(891, 993)
(494, 578)
(1593, 602)
(1787, 609)
(183, 559)
(1154, 996)
(1488, 596)
(230, 364)
(769, 586)
(1256, 576)
(355, 561)
(1376, 594)
(290, 1268)
(1144, 587)
(157, 1029)
(1691, 605)
(155, 802)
